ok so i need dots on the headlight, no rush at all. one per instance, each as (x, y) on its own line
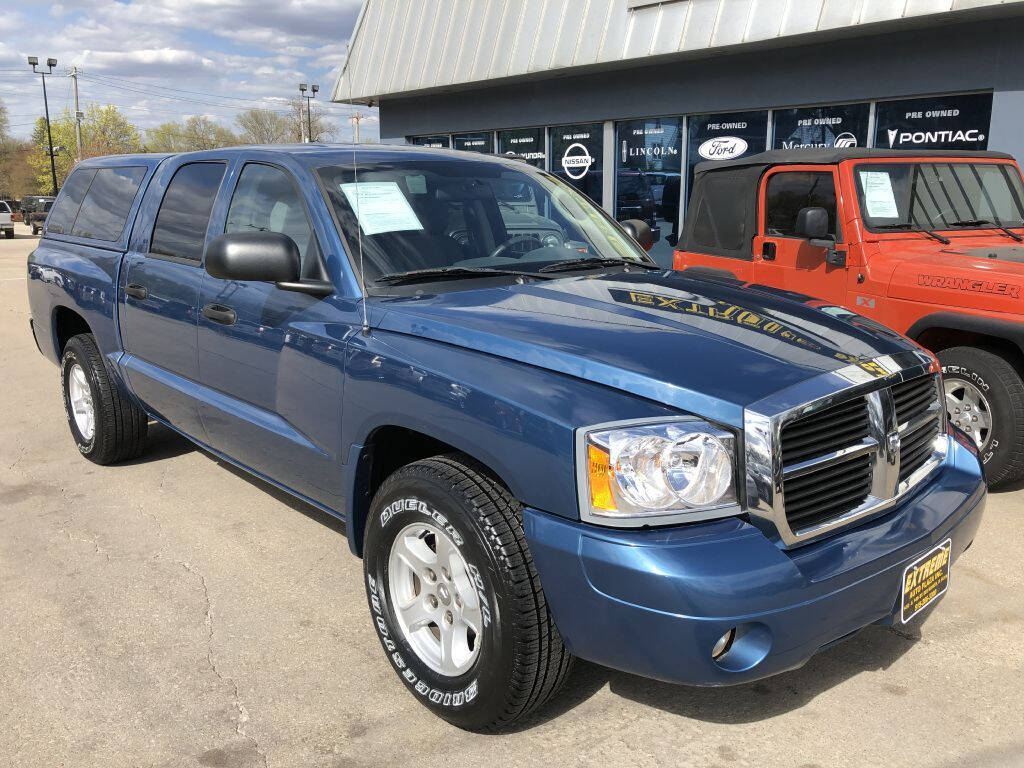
(551, 241)
(656, 474)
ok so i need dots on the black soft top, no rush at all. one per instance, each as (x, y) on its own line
(721, 217)
(831, 156)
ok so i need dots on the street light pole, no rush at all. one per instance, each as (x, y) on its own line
(309, 116)
(50, 64)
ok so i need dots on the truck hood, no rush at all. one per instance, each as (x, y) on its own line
(985, 273)
(701, 346)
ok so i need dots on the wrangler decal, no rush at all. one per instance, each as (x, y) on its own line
(968, 284)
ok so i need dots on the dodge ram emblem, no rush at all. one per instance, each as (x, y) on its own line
(892, 444)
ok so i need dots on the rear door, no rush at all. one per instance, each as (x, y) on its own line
(782, 259)
(162, 277)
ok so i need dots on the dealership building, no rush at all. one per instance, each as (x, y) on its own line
(623, 97)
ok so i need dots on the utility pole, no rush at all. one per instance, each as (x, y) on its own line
(78, 117)
(356, 118)
(309, 115)
(50, 64)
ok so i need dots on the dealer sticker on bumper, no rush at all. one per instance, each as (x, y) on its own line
(925, 580)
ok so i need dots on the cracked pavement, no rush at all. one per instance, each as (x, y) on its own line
(174, 612)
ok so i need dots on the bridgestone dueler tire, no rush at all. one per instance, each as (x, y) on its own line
(121, 425)
(1003, 454)
(522, 662)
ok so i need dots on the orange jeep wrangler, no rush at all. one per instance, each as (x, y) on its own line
(927, 243)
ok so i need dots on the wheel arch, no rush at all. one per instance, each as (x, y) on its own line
(387, 448)
(943, 330)
(65, 324)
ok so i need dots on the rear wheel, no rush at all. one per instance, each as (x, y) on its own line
(454, 596)
(106, 424)
(985, 398)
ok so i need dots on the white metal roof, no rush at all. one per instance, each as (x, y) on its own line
(403, 46)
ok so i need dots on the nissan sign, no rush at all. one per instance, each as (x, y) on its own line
(576, 161)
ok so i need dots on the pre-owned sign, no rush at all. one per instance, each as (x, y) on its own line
(432, 141)
(524, 143)
(936, 122)
(577, 153)
(474, 142)
(725, 136)
(837, 125)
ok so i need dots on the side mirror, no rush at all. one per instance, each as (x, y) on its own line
(812, 224)
(639, 231)
(268, 257)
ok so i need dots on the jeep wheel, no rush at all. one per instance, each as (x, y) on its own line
(985, 398)
(454, 596)
(106, 424)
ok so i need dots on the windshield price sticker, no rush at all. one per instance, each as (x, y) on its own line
(878, 195)
(380, 207)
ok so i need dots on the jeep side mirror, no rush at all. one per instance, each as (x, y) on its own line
(812, 224)
(639, 231)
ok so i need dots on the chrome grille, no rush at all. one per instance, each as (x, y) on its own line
(849, 452)
(918, 415)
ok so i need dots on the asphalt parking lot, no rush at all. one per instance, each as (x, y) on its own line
(174, 612)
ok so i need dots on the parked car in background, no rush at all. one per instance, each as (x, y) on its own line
(928, 243)
(28, 204)
(541, 448)
(37, 218)
(6, 223)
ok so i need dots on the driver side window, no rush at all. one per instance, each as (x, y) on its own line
(267, 200)
(786, 193)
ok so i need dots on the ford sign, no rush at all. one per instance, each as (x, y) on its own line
(722, 148)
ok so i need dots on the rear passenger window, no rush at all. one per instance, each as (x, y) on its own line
(184, 215)
(106, 205)
(718, 225)
(65, 209)
(790, 191)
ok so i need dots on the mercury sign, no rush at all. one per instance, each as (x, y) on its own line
(940, 122)
(841, 126)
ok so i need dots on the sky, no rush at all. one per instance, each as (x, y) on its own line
(171, 59)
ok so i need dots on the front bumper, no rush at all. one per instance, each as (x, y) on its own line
(654, 602)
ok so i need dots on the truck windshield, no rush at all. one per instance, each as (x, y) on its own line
(943, 196)
(424, 215)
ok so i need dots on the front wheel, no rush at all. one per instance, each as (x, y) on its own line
(455, 598)
(985, 398)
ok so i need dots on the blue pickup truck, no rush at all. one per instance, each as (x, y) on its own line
(543, 445)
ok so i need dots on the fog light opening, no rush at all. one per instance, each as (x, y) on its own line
(723, 644)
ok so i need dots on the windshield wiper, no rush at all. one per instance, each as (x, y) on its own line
(987, 223)
(908, 226)
(446, 273)
(595, 261)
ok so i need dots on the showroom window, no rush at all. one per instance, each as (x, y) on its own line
(577, 157)
(438, 142)
(934, 122)
(724, 136)
(648, 176)
(474, 142)
(837, 125)
(525, 143)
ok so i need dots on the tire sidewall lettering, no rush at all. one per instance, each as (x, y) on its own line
(394, 645)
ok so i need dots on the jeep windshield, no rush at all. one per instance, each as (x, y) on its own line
(432, 219)
(951, 196)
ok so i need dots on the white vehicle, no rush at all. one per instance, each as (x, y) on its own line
(6, 224)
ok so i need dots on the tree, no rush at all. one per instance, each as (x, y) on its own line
(197, 132)
(263, 126)
(5, 124)
(321, 129)
(105, 131)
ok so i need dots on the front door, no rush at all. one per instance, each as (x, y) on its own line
(163, 274)
(783, 259)
(271, 374)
